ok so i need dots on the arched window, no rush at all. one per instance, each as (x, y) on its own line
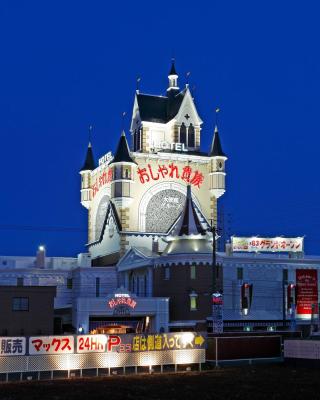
(183, 134)
(191, 136)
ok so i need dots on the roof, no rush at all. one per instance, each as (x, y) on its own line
(216, 148)
(122, 153)
(113, 211)
(89, 164)
(173, 69)
(159, 108)
(190, 223)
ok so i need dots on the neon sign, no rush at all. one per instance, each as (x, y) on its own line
(122, 300)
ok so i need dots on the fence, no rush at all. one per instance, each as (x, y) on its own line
(66, 353)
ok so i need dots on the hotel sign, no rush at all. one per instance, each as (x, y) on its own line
(122, 299)
(306, 292)
(276, 244)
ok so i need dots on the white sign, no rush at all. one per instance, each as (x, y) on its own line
(12, 346)
(91, 343)
(107, 157)
(51, 345)
(277, 244)
(170, 146)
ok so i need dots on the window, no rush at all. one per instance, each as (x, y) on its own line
(97, 287)
(193, 301)
(167, 273)
(193, 272)
(285, 275)
(126, 173)
(183, 134)
(20, 304)
(117, 189)
(69, 283)
(240, 273)
(19, 281)
(117, 172)
(191, 136)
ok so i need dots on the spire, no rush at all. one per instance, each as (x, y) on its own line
(216, 148)
(191, 237)
(122, 153)
(89, 164)
(190, 223)
(173, 77)
(173, 68)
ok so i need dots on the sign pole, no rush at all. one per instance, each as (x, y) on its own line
(217, 297)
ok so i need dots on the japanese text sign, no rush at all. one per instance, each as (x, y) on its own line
(278, 244)
(51, 345)
(12, 346)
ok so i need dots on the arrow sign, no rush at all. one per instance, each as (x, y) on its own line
(199, 340)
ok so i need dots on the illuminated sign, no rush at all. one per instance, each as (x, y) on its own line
(170, 146)
(100, 180)
(106, 158)
(12, 346)
(51, 345)
(186, 174)
(307, 292)
(122, 300)
(277, 244)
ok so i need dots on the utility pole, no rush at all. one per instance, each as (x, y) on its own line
(214, 257)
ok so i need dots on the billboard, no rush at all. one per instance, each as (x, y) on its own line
(257, 244)
(306, 292)
(51, 345)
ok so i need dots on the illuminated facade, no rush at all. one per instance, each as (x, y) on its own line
(135, 197)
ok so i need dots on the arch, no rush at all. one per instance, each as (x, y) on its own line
(154, 190)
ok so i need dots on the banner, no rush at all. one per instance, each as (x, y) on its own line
(130, 343)
(277, 244)
(51, 345)
(306, 292)
(12, 346)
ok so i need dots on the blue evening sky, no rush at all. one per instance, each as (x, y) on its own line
(68, 64)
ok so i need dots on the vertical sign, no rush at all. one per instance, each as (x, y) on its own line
(307, 292)
(217, 313)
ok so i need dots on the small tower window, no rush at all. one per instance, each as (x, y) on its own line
(193, 272)
(191, 136)
(183, 134)
(193, 301)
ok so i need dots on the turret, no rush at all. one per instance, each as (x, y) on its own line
(173, 78)
(217, 166)
(85, 172)
(122, 174)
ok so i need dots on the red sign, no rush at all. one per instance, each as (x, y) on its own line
(186, 174)
(123, 300)
(307, 291)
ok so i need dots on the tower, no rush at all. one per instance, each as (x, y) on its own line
(216, 173)
(85, 172)
(173, 79)
(122, 184)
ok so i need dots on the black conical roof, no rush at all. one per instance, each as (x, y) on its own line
(173, 69)
(190, 223)
(122, 153)
(216, 148)
(89, 164)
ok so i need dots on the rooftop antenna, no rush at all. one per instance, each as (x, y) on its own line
(90, 133)
(138, 83)
(123, 118)
(187, 76)
(217, 112)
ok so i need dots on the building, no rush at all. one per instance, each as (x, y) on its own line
(149, 261)
(26, 310)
